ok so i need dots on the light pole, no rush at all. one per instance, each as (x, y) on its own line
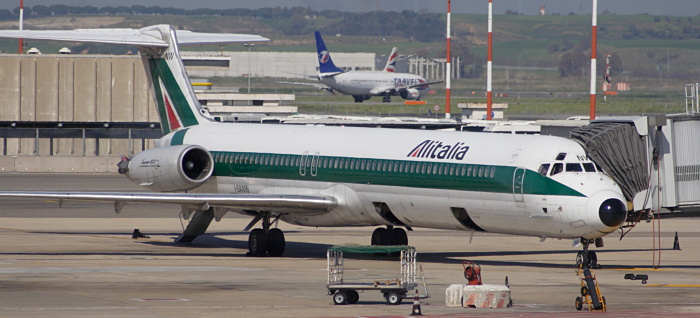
(249, 45)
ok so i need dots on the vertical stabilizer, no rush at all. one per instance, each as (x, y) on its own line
(177, 104)
(325, 63)
(391, 63)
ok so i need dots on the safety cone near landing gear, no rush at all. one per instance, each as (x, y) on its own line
(676, 244)
(416, 306)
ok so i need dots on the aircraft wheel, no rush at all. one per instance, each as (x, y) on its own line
(257, 242)
(380, 236)
(340, 298)
(353, 297)
(579, 303)
(399, 237)
(592, 260)
(276, 242)
(582, 260)
(386, 99)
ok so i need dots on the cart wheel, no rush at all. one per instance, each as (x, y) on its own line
(353, 297)
(584, 290)
(579, 303)
(340, 298)
(393, 298)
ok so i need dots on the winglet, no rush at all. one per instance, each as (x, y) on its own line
(325, 63)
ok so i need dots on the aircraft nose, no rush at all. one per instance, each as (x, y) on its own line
(612, 212)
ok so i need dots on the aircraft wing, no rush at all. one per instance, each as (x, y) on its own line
(133, 37)
(421, 84)
(296, 204)
(393, 90)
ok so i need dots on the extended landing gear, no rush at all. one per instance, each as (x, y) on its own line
(386, 99)
(265, 241)
(389, 236)
(586, 258)
(360, 98)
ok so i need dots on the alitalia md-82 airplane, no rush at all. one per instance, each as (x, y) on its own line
(532, 185)
(362, 85)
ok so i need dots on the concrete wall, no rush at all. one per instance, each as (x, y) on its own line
(84, 88)
(271, 64)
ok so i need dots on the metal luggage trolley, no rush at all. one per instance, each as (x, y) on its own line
(394, 290)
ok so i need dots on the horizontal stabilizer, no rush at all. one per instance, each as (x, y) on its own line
(132, 37)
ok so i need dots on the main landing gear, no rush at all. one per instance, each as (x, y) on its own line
(389, 236)
(586, 258)
(265, 241)
(386, 99)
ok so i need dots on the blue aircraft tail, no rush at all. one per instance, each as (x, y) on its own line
(325, 63)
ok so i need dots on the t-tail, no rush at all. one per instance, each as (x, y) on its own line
(391, 63)
(158, 45)
(325, 63)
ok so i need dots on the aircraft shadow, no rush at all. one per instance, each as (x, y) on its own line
(318, 251)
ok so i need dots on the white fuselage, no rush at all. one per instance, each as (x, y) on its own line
(430, 179)
(366, 83)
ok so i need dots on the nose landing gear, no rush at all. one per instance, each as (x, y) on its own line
(587, 258)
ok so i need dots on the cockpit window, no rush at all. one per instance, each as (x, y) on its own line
(573, 167)
(557, 168)
(561, 156)
(589, 167)
(543, 169)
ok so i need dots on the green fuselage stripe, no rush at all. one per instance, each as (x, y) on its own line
(402, 173)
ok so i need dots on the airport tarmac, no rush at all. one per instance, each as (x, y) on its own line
(80, 261)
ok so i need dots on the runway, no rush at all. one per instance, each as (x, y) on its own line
(80, 261)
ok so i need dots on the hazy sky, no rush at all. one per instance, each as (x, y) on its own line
(528, 7)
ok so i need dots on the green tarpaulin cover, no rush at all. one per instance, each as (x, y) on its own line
(355, 248)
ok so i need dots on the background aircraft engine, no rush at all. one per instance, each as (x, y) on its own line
(410, 94)
(167, 169)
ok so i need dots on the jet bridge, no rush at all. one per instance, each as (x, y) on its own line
(655, 159)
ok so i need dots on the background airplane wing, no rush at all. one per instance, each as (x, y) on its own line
(422, 84)
(296, 204)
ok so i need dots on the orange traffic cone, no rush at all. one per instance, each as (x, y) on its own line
(416, 306)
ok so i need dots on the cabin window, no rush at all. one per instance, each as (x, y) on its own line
(481, 171)
(390, 166)
(469, 171)
(543, 169)
(452, 170)
(589, 167)
(493, 171)
(374, 165)
(413, 167)
(267, 160)
(435, 168)
(561, 156)
(557, 168)
(464, 170)
(573, 167)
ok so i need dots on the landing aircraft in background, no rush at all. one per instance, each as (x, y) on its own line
(532, 185)
(362, 85)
